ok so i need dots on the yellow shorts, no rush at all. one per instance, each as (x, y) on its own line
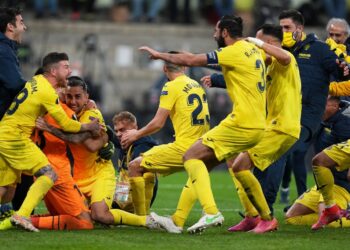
(228, 141)
(270, 148)
(340, 153)
(23, 155)
(164, 159)
(312, 198)
(100, 186)
(8, 175)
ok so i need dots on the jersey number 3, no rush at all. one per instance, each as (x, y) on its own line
(261, 85)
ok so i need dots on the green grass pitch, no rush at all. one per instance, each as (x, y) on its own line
(287, 237)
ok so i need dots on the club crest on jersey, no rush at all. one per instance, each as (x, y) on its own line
(304, 55)
(164, 92)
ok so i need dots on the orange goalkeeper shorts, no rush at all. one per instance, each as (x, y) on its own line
(66, 198)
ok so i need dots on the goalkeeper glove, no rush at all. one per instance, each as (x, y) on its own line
(107, 151)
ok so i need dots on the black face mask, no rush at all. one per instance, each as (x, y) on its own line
(221, 42)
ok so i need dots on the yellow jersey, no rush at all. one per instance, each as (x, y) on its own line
(187, 102)
(339, 88)
(284, 97)
(86, 163)
(36, 99)
(243, 68)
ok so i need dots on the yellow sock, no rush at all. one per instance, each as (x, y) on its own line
(35, 194)
(249, 208)
(137, 185)
(345, 223)
(187, 199)
(307, 219)
(124, 218)
(150, 179)
(199, 176)
(254, 192)
(325, 182)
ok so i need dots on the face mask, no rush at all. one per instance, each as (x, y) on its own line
(289, 39)
(336, 47)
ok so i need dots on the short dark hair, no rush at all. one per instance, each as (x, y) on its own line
(52, 58)
(272, 30)
(171, 66)
(233, 25)
(76, 81)
(295, 15)
(39, 71)
(8, 15)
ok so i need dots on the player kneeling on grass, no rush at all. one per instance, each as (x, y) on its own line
(333, 158)
(17, 149)
(94, 175)
(65, 203)
(308, 208)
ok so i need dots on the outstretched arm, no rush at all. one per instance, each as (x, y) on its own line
(185, 59)
(281, 55)
(68, 137)
(153, 126)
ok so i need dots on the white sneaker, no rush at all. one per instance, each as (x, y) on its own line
(151, 223)
(166, 223)
(208, 220)
(23, 222)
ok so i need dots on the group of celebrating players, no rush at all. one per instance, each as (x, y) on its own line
(270, 80)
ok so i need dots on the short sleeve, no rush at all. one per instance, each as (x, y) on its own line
(168, 96)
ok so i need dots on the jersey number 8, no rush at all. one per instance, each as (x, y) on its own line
(20, 97)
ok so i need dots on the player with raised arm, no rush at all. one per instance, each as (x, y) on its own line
(65, 203)
(244, 72)
(282, 69)
(282, 131)
(94, 175)
(184, 100)
(16, 147)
